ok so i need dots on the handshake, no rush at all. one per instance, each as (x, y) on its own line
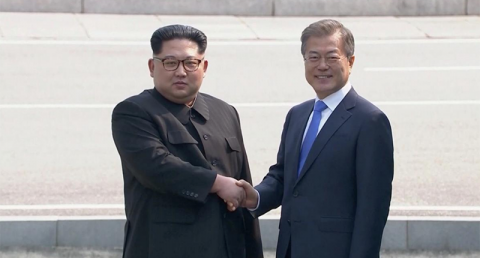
(235, 193)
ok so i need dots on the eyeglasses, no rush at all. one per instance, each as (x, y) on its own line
(329, 60)
(172, 64)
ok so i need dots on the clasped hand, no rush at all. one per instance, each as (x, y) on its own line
(236, 193)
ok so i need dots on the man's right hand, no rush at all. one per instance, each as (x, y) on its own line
(226, 188)
(251, 200)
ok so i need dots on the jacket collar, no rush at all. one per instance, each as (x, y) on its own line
(181, 111)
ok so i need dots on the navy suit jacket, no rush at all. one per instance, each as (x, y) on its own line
(338, 206)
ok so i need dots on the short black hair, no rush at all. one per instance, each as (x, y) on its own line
(178, 31)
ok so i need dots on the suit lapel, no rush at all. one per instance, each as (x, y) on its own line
(339, 116)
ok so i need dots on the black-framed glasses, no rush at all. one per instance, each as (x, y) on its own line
(172, 64)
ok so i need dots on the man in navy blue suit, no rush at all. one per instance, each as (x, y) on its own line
(334, 170)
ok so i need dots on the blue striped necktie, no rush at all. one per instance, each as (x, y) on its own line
(311, 133)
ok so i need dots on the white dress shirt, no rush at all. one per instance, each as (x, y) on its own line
(332, 102)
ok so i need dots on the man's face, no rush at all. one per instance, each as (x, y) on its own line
(327, 67)
(179, 85)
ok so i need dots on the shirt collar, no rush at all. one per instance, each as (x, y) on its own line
(335, 98)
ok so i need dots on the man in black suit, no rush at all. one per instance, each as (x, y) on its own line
(182, 153)
(334, 170)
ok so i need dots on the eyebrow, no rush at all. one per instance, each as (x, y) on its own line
(174, 57)
(329, 52)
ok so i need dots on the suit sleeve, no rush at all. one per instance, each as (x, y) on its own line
(253, 238)
(271, 187)
(374, 171)
(141, 150)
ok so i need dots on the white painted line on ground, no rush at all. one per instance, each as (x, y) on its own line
(97, 217)
(62, 207)
(59, 106)
(248, 105)
(435, 208)
(415, 41)
(433, 218)
(121, 206)
(421, 69)
(427, 103)
(74, 42)
(264, 217)
(60, 218)
(236, 42)
(29, 218)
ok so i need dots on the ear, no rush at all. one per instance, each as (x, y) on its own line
(351, 60)
(205, 65)
(151, 66)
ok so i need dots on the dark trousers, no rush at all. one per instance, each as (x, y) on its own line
(289, 250)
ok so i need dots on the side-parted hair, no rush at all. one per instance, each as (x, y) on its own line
(178, 31)
(329, 27)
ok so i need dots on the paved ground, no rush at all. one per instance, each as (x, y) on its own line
(81, 253)
(60, 79)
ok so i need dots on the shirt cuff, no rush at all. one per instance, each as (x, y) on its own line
(258, 201)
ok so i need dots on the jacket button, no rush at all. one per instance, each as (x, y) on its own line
(196, 195)
(295, 194)
(214, 162)
(205, 136)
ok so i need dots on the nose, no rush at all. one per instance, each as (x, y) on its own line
(322, 64)
(180, 72)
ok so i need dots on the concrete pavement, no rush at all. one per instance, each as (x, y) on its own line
(96, 27)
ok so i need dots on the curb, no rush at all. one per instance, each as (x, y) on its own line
(401, 233)
(251, 7)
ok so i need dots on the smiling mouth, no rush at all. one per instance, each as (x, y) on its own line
(323, 76)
